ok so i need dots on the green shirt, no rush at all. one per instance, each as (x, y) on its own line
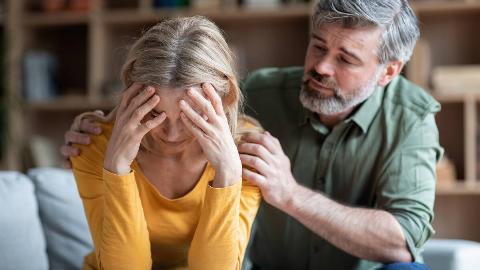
(383, 156)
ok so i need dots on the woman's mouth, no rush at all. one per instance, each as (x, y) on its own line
(173, 143)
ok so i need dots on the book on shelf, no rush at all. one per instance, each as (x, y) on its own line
(39, 72)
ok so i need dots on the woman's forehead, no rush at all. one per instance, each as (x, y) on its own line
(176, 93)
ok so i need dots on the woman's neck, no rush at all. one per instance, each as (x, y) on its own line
(191, 155)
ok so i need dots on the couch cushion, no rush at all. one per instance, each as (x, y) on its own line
(63, 219)
(22, 242)
(445, 254)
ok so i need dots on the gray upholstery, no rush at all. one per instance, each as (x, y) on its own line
(22, 242)
(62, 216)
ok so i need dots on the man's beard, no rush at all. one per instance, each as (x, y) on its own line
(339, 102)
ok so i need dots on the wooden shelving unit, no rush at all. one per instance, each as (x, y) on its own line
(91, 46)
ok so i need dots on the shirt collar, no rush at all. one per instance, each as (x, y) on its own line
(364, 115)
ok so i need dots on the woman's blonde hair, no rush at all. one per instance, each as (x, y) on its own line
(183, 52)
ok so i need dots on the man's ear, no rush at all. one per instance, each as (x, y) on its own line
(390, 71)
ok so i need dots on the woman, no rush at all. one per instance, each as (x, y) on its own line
(162, 186)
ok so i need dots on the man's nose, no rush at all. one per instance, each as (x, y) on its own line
(325, 67)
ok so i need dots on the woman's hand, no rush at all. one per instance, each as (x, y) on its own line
(128, 130)
(213, 134)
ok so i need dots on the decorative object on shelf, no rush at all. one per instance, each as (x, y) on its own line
(446, 171)
(170, 3)
(53, 5)
(79, 5)
(44, 152)
(39, 72)
(261, 3)
(456, 79)
(419, 66)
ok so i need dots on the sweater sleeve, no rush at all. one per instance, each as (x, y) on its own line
(113, 210)
(224, 227)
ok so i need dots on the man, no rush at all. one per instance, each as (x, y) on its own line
(347, 167)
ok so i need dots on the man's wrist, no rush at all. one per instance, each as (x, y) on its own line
(293, 199)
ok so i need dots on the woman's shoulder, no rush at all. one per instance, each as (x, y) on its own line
(246, 124)
(95, 150)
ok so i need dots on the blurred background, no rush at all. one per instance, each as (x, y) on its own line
(63, 57)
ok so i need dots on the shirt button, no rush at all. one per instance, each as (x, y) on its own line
(315, 249)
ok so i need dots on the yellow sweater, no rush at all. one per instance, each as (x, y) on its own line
(134, 227)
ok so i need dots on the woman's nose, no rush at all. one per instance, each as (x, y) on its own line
(173, 130)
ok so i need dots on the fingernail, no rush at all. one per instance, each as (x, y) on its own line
(182, 102)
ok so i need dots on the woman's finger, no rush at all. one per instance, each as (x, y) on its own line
(202, 103)
(194, 117)
(140, 99)
(143, 110)
(152, 123)
(255, 163)
(128, 94)
(214, 98)
(197, 132)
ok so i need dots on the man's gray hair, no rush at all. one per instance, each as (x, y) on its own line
(395, 17)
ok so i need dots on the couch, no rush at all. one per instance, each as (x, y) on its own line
(42, 226)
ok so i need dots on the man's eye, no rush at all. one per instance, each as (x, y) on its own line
(322, 49)
(154, 114)
(344, 60)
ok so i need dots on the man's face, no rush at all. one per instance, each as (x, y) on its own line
(341, 68)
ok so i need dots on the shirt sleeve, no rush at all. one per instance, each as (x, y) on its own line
(406, 188)
(113, 210)
(224, 227)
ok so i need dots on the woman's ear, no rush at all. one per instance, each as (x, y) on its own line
(390, 71)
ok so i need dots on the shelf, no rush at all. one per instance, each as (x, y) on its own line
(71, 103)
(458, 188)
(455, 97)
(441, 7)
(55, 19)
(126, 16)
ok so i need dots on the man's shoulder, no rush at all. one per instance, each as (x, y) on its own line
(273, 78)
(403, 95)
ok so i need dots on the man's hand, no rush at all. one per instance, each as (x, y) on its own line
(267, 166)
(79, 134)
(371, 234)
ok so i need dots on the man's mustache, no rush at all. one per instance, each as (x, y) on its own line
(324, 80)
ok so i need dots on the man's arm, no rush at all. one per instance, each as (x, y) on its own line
(366, 233)
(372, 234)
